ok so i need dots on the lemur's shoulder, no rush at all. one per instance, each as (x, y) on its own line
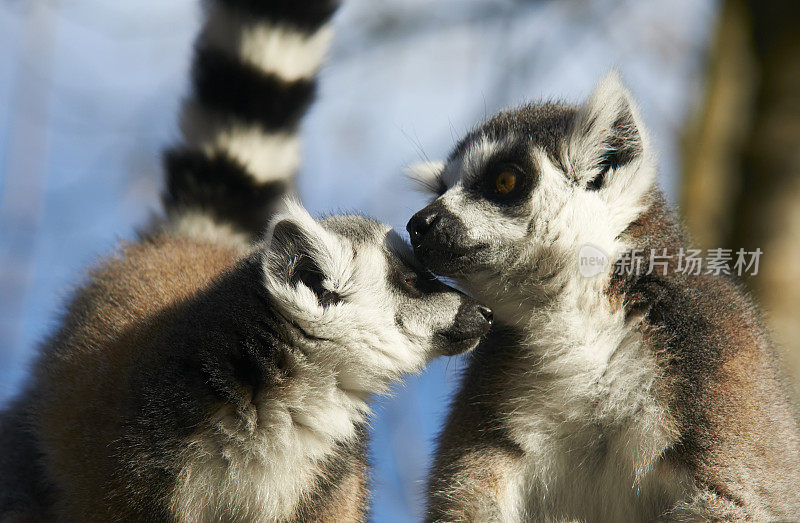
(739, 434)
(723, 380)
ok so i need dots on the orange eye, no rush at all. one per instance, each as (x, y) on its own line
(505, 182)
(411, 282)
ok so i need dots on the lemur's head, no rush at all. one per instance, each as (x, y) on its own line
(521, 194)
(357, 300)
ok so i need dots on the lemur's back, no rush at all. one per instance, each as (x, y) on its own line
(108, 323)
(143, 279)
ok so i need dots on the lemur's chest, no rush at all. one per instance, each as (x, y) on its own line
(593, 428)
(586, 479)
(276, 460)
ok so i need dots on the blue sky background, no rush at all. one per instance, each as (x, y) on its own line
(89, 93)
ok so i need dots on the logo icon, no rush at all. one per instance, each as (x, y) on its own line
(592, 260)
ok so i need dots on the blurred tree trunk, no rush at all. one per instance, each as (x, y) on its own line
(715, 137)
(742, 169)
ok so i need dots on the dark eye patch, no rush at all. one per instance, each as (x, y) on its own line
(423, 281)
(505, 183)
(506, 179)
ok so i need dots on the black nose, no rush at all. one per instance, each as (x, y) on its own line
(421, 223)
(486, 312)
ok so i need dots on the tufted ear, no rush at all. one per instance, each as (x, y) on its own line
(607, 134)
(427, 176)
(301, 252)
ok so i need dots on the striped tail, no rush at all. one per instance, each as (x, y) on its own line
(253, 78)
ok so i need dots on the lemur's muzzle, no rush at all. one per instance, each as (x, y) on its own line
(438, 238)
(422, 222)
(471, 323)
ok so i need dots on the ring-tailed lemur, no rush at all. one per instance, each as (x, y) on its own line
(616, 398)
(198, 377)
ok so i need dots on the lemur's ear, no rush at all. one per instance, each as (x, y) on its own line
(299, 251)
(607, 134)
(428, 176)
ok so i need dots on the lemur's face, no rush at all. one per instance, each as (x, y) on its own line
(358, 299)
(522, 193)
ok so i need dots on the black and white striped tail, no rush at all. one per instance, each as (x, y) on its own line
(253, 78)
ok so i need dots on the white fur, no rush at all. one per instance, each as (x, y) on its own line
(266, 156)
(594, 380)
(283, 51)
